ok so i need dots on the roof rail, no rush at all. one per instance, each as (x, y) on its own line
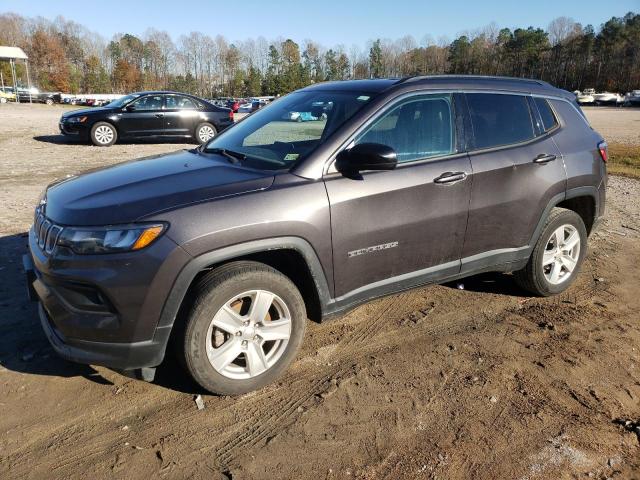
(471, 77)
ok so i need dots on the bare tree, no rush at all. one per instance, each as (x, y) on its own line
(560, 29)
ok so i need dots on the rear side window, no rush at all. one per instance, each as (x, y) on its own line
(180, 102)
(149, 102)
(499, 119)
(548, 118)
(416, 129)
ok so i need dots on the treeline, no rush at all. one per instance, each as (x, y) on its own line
(65, 56)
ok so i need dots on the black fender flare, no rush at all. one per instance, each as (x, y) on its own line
(201, 262)
(585, 191)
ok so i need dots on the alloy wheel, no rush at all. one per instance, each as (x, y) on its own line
(104, 134)
(206, 133)
(561, 254)
(248, 334)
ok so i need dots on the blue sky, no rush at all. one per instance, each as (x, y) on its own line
(329, 22)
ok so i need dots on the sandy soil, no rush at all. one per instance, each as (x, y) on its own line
(438, 382)
(621, 125)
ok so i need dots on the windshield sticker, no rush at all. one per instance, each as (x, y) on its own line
(291, 156)
(363, 98)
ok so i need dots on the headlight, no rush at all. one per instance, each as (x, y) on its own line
(77, 119)
(88, 241)
(42, 199)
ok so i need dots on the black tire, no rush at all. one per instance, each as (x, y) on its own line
(212, 292)
(49, 101)
(532, 277)
(199, 132)
(100, 140)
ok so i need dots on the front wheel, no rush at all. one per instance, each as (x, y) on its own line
(557, 255)
(245, 328)
(205, 132)
(49, 101)
(103, 134)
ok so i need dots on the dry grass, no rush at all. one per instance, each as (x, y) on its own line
(624, 160)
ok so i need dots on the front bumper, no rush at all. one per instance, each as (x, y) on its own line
(104, 310)
(123, 356)
(78, 130)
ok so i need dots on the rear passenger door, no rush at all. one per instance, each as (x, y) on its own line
(181, 115)
(517, 170)
(393, 229)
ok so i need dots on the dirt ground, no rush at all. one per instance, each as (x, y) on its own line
(439, 382)
(620, 125)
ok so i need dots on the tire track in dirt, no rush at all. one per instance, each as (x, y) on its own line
(273, 424)
(344, 364)
(371, 327)
(385, 467)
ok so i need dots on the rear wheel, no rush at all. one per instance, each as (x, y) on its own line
(49, 101)
(245, 328)
(557, 256)
(205, 132)
(103, 134)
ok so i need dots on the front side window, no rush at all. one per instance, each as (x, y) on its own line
(178, 102)
(416, 129)
(150, 102)
(548, 118)
(122, 101)
(499, 119)
(290, 128)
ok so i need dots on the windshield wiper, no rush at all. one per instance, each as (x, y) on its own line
(233, 157)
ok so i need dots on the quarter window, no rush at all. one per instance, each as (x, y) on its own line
(548, 118)
(416, 129)
(499, 119)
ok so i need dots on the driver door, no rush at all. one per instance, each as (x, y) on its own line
(143, 117)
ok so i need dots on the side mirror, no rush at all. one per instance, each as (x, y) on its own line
(366, 156)
(130, 108)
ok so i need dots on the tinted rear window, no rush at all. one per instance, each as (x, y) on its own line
(499, 119)
(548, 118)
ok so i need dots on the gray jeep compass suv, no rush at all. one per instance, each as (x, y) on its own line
(227, 249)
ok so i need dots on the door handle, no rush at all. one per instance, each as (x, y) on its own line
(450, 177)
(159, 115)
(544, 158)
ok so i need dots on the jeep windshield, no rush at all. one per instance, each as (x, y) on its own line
(285, 132)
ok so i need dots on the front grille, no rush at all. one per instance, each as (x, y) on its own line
(46, 232)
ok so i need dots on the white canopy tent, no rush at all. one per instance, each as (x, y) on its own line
(12, 54)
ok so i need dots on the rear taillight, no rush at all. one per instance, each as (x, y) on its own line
(603, 148)
(231, 115)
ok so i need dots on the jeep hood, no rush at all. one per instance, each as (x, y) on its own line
(130, 191)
